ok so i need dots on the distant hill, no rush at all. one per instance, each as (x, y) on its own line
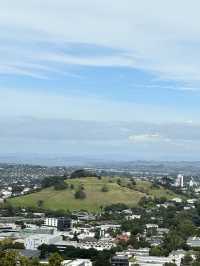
(96, 196)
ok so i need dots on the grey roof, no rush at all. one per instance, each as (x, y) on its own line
(30, 253)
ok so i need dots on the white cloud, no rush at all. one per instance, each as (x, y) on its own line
(142, 138)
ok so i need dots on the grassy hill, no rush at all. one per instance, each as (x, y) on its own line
(64, 199)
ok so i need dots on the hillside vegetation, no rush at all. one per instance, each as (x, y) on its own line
(96, 196)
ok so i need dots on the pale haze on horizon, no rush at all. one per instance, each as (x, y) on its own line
(110, 79)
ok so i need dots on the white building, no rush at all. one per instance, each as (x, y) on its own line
(193, 241)
(158, 261)
(177, 200)
(141, 257)
(52, 222)
(132, 217)
(32, 242)
(179, 181)
(78, 262)
(6, 193)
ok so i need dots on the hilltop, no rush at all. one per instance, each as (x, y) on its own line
(95, 197)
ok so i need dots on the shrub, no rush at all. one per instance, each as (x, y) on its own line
(72, 186)
(80, 194)
(104, 188)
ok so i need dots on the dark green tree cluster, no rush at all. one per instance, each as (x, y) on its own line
(82, 173)
(99, 258)
(80, 193)
(52, 181)
(189, 260)
(117, 207)
(12, 258)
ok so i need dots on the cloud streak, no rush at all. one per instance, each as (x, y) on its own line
(153, 41)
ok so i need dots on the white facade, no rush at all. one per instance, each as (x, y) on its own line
(179, 181)
(53, 222)
(78, 262)
(103, 244)
(158, 261)
(6, 193)
(34, 241)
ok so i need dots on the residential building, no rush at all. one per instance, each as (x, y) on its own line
(32, 242)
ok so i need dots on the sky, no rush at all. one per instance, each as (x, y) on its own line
(97, 78)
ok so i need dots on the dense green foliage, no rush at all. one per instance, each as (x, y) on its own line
(82, 173)
(52, 181)
(99, 258)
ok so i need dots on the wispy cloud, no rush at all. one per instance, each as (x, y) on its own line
(29, 134)
(148, 138)
(127, 27)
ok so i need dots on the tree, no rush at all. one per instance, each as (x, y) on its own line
(196, 263)
(197, 256)
(43, 251)
(102, 260)
(61, 185)
(8, 258)
(51, 181)
(119, 182)
(186, 260)
(55, 259)
(80, 194)
(133, 241)
(40, 203)
(186, 227)
(157, 251)
(170, 264)
(116, 207)
(35, 262)
(104, 188)
(133, 182)
(75, 237)
(23, 261)
(98, 234)
(82, 173)
(173, 241)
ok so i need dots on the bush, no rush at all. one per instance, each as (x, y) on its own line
(80, 194)
(82, 173)
(104, 188)
(60, 185)
(52, 181)
(116, 207)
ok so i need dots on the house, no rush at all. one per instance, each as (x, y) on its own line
(193, 241)
(177, 200)
(148, 226)
(122, 238)
(33, 241)
(120, 260)
(152, 260)
(132, 217)
(61, 223)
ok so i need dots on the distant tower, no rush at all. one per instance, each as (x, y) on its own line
(179, 181)
(191, 183)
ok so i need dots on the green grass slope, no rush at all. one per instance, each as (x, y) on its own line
(64, 199)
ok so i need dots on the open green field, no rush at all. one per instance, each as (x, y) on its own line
(148, 188)
(64, 199)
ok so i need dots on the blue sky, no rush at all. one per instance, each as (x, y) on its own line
(114, 79)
